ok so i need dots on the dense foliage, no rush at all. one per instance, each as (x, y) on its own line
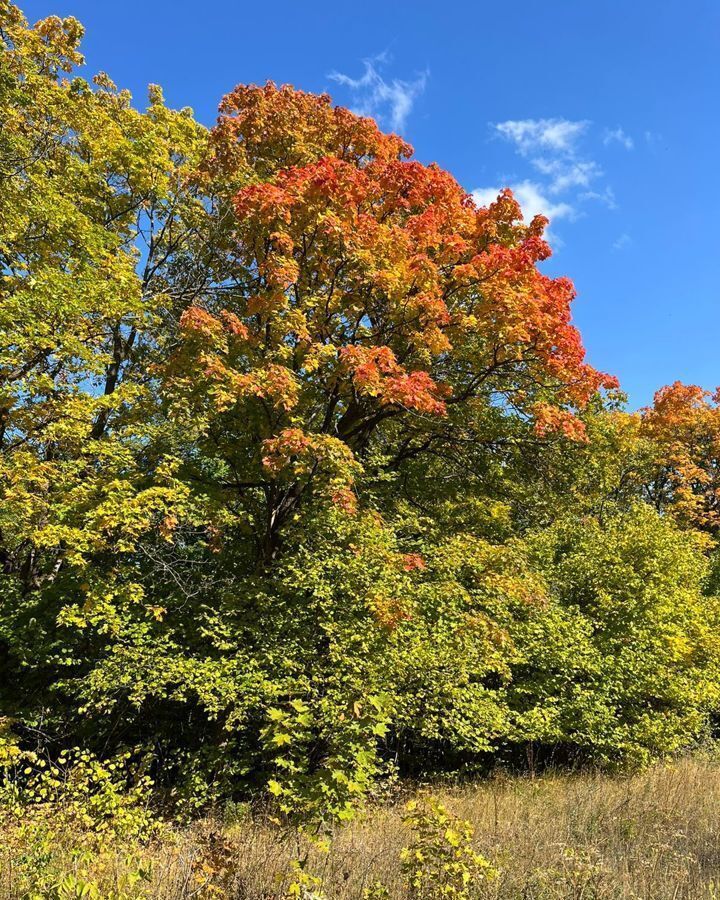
(304, 477)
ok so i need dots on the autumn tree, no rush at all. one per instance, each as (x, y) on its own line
(382, 313)
(683, 425)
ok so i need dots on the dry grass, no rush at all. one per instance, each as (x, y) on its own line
(654, 836)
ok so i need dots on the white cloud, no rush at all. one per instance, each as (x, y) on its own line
(617, 135)
(606, 197)
(532, 199)
(538, 135)
(622, 242)
(551, 146)
(567, 173)
(383, 100)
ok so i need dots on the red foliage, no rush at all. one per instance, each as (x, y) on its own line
(370, 289)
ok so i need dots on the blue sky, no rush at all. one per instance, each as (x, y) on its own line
(603, 113)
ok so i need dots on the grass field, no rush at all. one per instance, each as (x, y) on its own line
(654, 835)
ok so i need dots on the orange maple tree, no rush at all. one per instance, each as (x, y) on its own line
(684, 426)
(375, 291)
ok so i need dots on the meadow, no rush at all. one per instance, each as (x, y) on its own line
(648, 836)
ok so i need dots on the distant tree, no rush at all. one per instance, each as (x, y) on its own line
(683, 425)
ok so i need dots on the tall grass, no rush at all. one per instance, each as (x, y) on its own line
(654, 836)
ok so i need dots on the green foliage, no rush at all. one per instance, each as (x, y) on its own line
(78, 791)
(93, 806)
(441, 861)
(312, 787)
(626, 664)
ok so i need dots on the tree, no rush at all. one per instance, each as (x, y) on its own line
(103, 232)
(381, 310)
(623, 666)
(683, 425)
(95, 215)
